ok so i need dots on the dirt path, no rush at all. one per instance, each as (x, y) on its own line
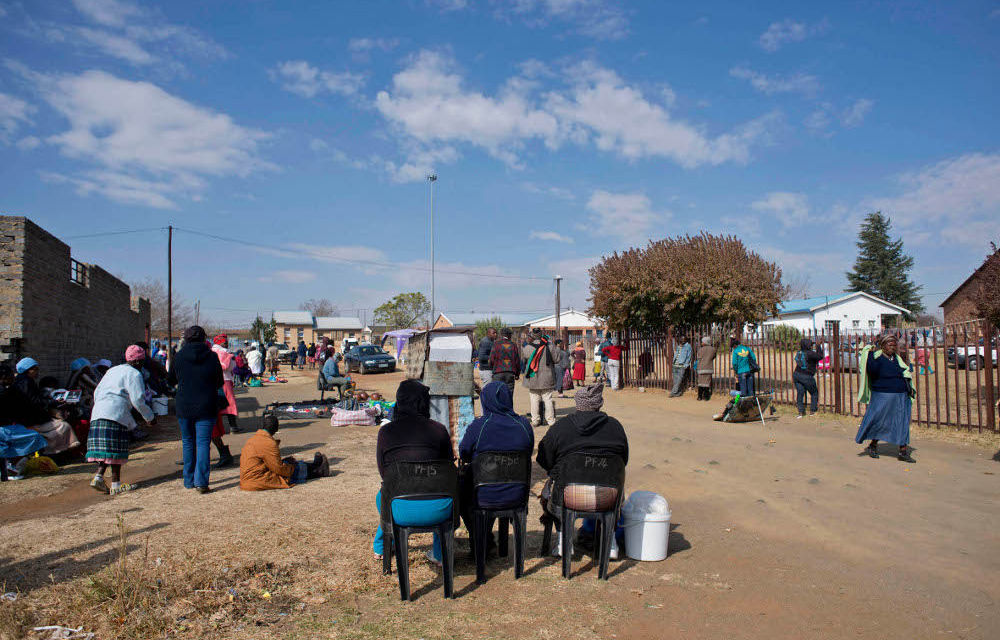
(781, 531)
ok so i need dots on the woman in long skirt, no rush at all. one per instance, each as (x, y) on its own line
(579, 365)
(886, 386)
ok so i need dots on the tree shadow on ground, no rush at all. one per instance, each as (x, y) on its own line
(32, 573)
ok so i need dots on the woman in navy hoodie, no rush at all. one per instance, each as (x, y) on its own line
(499, 429)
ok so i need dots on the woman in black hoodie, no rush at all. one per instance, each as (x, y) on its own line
(198, 375)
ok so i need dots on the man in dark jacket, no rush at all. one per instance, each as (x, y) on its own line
(413, 437)
(587, 430)
(483, 355)
(505, 360)
(498, 429)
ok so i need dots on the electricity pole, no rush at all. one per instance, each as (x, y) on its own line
(170, 288)
(432, 178)
(558, 281)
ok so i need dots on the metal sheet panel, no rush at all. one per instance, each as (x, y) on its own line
(449, 378)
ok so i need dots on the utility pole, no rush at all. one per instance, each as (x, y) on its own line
(170, 289)
(197, 311)
(558, 281)
(432, 178)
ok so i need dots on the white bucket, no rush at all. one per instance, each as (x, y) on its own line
(160, 405)
(647, 526)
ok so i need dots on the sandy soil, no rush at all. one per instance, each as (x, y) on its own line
(778, 531)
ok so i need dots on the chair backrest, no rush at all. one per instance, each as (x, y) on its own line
(418, 481)
(603, 472)
(501, 467)
(321, 380)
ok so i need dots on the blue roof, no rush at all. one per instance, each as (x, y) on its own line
(805, 304)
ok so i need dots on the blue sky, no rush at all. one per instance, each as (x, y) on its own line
(561, 130)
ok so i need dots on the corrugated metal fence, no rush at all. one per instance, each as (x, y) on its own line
(954, 367)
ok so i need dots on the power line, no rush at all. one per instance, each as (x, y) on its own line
(370, 263)
(104, 234)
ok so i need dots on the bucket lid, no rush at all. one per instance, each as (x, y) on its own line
(646, 503)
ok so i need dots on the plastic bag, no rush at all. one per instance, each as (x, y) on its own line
(646, 502)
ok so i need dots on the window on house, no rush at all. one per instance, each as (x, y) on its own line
(78, 273)
(855, 324)
(871, 324)
(301, 333)
(288, 334)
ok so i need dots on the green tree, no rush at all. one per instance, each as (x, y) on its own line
(987, 297)
(482, 326)
(403, 311)
(264, 332)
(684, 281)
(882, 268)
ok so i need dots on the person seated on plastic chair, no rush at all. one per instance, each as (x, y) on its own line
(499, 429)
(413, 437)
(587, 430)
(332, 373)
(263, 468)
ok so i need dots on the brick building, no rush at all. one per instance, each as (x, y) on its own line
(56, 309)
(293, 326)
(959, 306)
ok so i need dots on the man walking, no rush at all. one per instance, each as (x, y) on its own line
(505, 360)
(682, 361)
(540, 378)
(483, 353)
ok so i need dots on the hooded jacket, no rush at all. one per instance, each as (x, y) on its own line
(412, 436)
(198, 375)
(499, 429)
(582, 431)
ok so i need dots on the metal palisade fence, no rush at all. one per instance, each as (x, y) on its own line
(954, 367)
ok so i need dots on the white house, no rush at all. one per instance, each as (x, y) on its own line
(577, 323)
(857, 312)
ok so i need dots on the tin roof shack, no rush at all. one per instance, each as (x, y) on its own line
(442, 360)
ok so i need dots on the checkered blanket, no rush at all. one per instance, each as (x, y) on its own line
(367, 417)
(107, 439)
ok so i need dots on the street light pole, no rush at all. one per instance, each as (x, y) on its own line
(432, 178)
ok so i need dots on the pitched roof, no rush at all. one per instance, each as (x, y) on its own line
(339, 323)
(567, 318)
(293, 317)
(470, 319)
(806, 305)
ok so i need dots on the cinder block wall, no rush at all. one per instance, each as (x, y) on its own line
(60, 320)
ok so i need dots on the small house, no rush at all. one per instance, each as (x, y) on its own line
(857, 312)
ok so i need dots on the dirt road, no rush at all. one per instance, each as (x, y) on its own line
(781, 531)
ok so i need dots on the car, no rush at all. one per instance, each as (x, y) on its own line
(971, 357)
(848, 359)
(368, 358)
(285, 353)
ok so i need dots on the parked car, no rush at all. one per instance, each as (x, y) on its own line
(286, 354)
(368, 358)
(848, 359)
(971, 357)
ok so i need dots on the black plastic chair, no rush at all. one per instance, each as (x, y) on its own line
(585, 470)
(491, 468)
(418, 481)
(322, 385)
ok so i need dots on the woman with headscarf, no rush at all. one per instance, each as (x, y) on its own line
(228, 364)
(887, 388)
(121, 390)
(706, 367)
(579, 364)
(198, 376)
(83, 378)
(498, 429)
(614, 354)
(804, 376)
(413, 437)
(39, 412)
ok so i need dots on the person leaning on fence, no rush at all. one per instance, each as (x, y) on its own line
(887, 388)
(586, 430)
(682, 361)
(263, 468)
(706, 367)
(120, 391)
(745, 365)
(413, 437)
(804, 376)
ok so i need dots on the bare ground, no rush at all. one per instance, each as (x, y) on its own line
(781, 531)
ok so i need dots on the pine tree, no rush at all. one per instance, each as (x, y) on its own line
(882, 268)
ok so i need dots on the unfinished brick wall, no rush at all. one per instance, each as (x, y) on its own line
(55, 319)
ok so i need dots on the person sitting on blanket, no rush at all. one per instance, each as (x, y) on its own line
(39, 412)
(413, 437)
(17, 442)
(262, 467)
(588, 430)
(498, 429)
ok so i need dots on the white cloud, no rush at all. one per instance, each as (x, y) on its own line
(788, 30)
(958, 198)
(362, 255)
(14, 112)
(555, 192)
(110, 13)
(552, 236)
(301, 78)
(365, 45)
(600, 19)
(791, 209)
(151, 146)
(854, 115)
(796, 83)
(629, 216)
(289, 276)
(449, 5)
(116, 46)
(28, 143)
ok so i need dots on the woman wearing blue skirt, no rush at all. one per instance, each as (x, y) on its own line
(887, 388)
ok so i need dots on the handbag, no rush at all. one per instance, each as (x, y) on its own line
(221, 401)
(754, 367)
